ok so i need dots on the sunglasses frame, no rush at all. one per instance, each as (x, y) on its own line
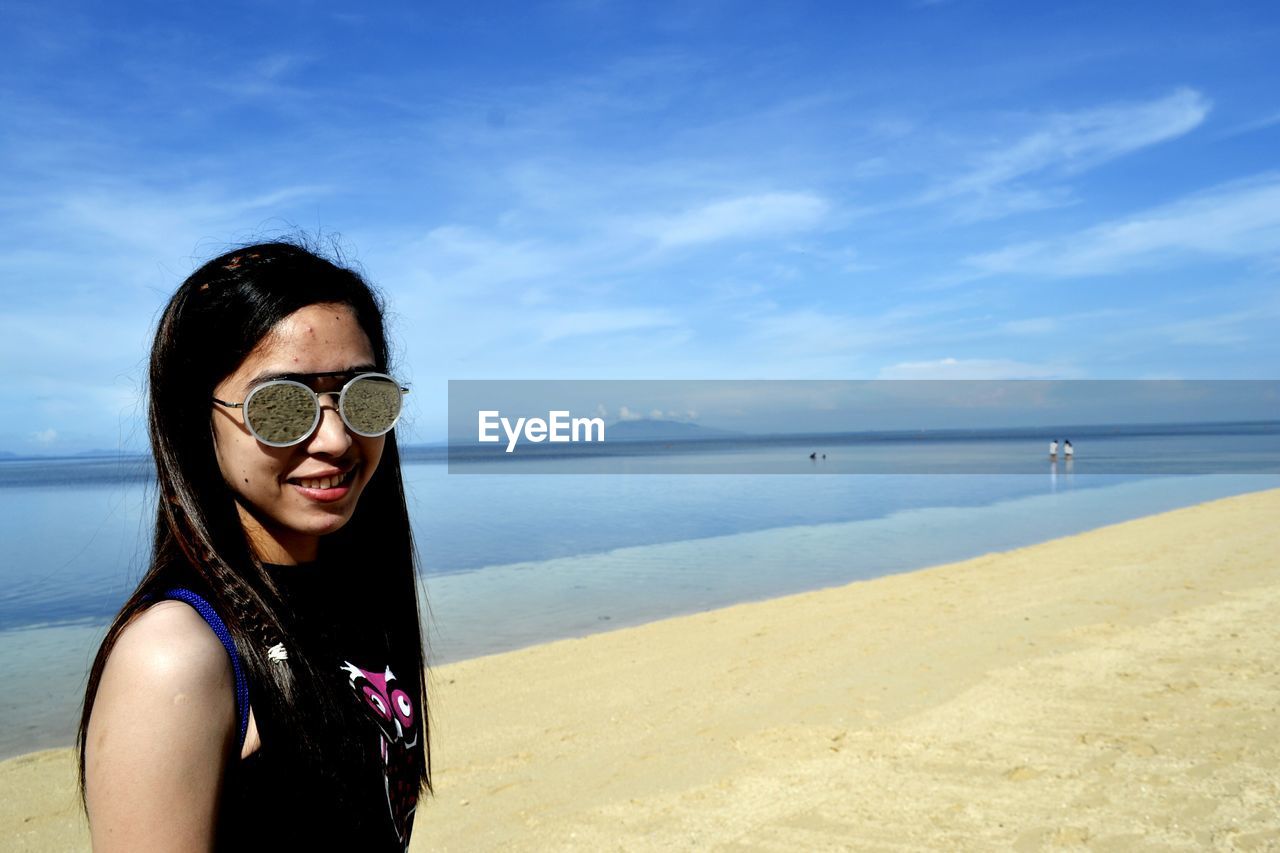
(315, 397)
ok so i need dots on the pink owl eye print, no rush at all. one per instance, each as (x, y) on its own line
(376, 703)
(393, 711)
(402, 707)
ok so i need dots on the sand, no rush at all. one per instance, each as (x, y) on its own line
(1115, 690)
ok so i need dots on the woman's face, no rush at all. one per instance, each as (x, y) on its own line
(288, 497)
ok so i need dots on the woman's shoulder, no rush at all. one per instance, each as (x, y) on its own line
(170, 640)
(161, 732)
(168, 666)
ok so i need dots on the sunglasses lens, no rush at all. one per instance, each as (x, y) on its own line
(281, 414)
(371, 405)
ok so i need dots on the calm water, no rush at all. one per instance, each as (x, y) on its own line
(515, 559)
(1246, 447)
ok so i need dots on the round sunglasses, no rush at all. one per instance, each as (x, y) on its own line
(283, 412)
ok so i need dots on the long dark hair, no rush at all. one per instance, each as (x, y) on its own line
(214, 320)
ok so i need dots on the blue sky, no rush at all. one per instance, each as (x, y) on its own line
(600, 190)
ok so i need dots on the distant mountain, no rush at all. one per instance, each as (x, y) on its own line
(650, 429)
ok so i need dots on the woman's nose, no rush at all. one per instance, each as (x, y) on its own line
(331, 437)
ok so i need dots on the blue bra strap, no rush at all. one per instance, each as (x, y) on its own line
(219, 627)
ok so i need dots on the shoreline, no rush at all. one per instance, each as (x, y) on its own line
(522, 604)
(1125, 672)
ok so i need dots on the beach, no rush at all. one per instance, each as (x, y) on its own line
(1116, 689)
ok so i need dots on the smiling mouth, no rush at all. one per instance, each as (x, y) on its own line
(322, 483)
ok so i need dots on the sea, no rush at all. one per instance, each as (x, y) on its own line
(515, 553)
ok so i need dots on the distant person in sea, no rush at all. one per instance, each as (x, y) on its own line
(1053, 449)
(1067, 450)
(264, 687)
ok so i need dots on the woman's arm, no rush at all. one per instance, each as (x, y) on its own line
(160, 736)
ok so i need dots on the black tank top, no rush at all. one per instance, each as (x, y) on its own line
(276, 799)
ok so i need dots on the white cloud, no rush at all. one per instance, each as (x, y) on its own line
(466, 256)
(45, 436)
(808, 330)
(603, 322)
(1240, 219)
(273, 76)
(1257, 124)
(810, 342)
(168, 223)
(1063, 144)
(1030, 326)
(1079, 140)
(1218, 330)
(759, 215)
(974, 368)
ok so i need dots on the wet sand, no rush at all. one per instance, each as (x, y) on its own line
(1114, 690)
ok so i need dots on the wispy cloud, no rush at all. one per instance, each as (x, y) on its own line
(811, 342)
(138, 217)
(477, 258)
(556, 326)
(760, 215)
(1238, 219)
(1063, 144)
(1224, 329)
(267, 77)
(1030, 326)
(1261, 123)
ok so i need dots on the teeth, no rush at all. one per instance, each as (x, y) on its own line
(322, 482)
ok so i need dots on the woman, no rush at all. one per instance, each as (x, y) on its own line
(264, 685)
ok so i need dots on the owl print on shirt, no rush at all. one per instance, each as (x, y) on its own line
(394, 712)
